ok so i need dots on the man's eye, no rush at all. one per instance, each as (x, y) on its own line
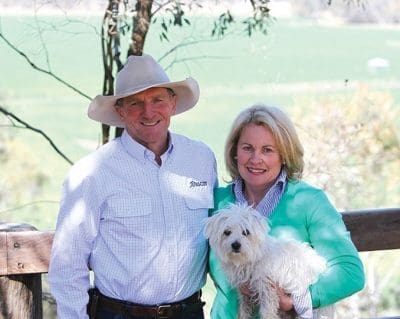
(227, 232)
(135, 104)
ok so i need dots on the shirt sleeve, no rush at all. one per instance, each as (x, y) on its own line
(302, 304)
(75, 230)
(330, 238)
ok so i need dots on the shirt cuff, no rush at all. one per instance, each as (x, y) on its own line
(302, 304)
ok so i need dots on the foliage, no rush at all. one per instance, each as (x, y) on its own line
(21, 176)
(169, 14)
(350, 11)
(138, 16)
(352, 150)
(380, 295)
(352, 147)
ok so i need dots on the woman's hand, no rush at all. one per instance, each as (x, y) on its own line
(246, 291)
(285, 300)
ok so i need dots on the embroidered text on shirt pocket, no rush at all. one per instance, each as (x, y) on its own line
(198, 194)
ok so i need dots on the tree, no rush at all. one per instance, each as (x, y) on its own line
(352, 146)
(124, 16)
(120, 18)
(123, 21)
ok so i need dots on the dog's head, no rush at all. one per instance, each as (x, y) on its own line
(237, 234)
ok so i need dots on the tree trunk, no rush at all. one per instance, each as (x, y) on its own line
(141, 24)
(110, 45)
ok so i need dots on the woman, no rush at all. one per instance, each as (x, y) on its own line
(264, 158)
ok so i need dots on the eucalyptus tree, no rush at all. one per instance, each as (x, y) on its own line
(137, 17)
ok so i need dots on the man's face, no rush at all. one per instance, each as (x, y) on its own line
(147, 115)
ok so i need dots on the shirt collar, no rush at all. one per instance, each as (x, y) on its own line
(140, 152)
(238, 184)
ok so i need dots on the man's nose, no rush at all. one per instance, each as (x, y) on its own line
(147, 108)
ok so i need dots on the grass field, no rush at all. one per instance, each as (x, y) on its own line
(297, 58)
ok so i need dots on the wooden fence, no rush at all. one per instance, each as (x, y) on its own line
(24, 256)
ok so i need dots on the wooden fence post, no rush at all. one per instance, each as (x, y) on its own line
(20, 295)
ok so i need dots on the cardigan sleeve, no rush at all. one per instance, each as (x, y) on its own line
(330, 238)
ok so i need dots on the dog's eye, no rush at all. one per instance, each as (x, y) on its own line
(246, 232)
(227, 232)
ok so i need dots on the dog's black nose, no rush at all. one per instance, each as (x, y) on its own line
(236, 246)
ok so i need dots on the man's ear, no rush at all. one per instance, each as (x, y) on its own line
(173, 99)
(118, 109)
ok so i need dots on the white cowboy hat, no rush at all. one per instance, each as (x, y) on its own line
(138, 74)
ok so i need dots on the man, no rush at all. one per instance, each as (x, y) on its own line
(132, 211)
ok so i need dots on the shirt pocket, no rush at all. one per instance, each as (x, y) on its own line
(127, 206)
(198, 201)
(203, 202)
(198, 196)
(130, 215)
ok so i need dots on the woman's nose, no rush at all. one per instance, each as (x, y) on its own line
(256, 157)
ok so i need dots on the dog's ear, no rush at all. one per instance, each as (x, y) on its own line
(212, 224)
(259, 221)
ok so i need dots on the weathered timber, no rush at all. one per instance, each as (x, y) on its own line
(20, 296)
(23, 252)
(374, 229)
(25, 255)
(27, 252)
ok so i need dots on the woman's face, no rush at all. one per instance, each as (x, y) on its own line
(259, 162)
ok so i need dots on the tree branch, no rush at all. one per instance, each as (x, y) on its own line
(26, 125)
(29, 204)
(42, 70)
(185, 43)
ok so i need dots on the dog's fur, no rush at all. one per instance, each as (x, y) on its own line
(248, 255)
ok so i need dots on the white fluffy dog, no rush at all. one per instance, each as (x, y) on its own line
(248, 255)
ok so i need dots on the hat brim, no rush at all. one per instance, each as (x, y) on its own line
(102, 108)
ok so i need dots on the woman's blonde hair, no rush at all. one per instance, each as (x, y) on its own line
(282, 129)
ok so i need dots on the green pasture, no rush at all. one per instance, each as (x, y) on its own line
(296, 59)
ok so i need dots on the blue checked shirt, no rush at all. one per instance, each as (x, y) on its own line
(301, 303)
(136, 224)
(271, 198)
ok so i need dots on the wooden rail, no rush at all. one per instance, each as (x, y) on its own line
(25, 252)
(374, 229)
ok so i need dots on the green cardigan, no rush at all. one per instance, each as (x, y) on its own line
(304, 213)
